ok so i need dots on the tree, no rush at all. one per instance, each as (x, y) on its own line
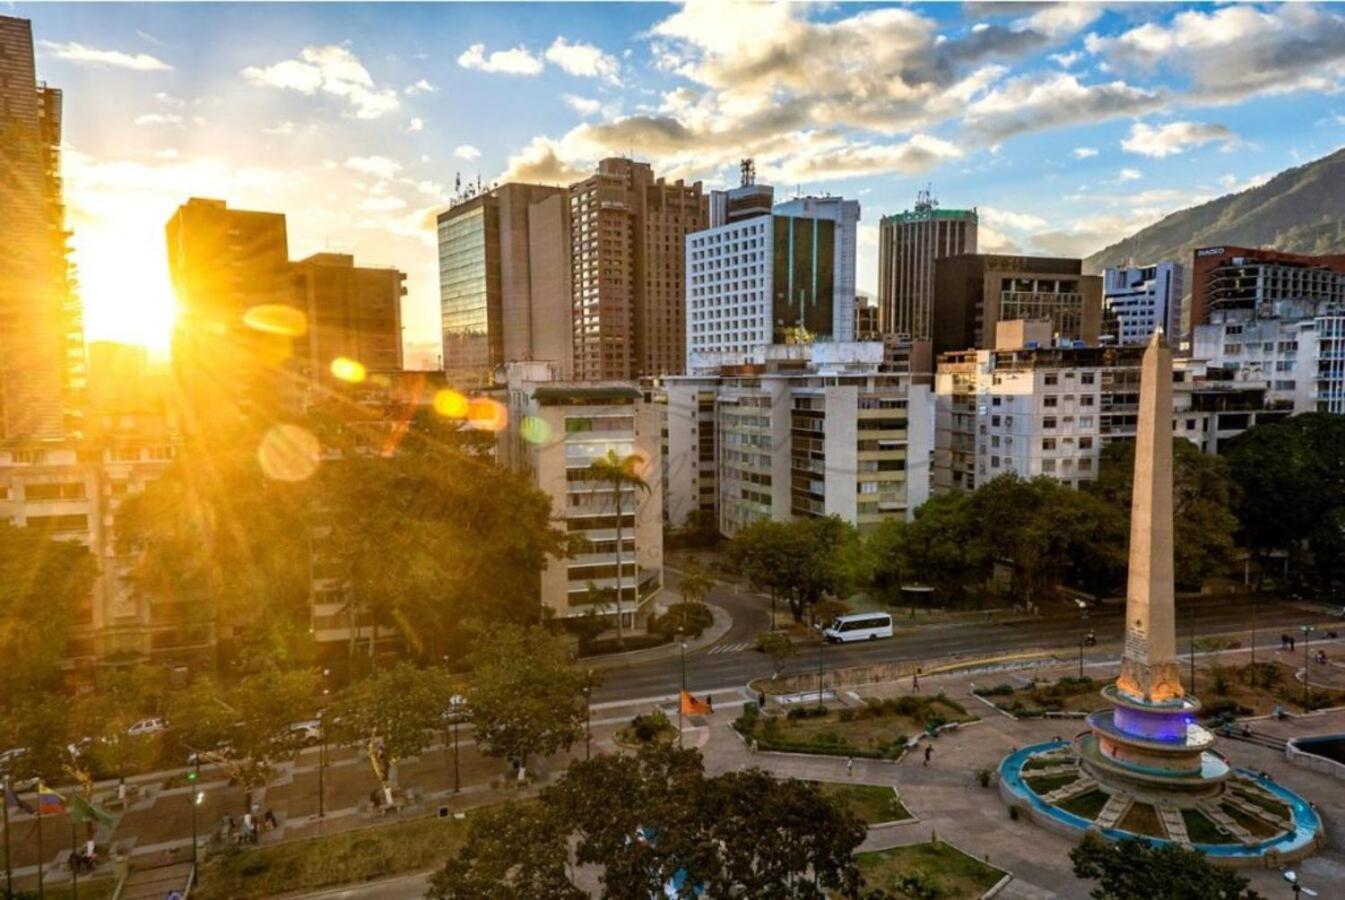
(778, 647)
(620, 473)
(393, 714)
(525, 695)
(1292, 479)
(42, 582)
(512, 852)
(1203, 496)
(758, 551)
(695, 585)
(1132, 868)
(936, 548)
(100, 720)
(802, 560)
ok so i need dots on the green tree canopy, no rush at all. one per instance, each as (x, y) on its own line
(513, 852)
(525, 695)
(1203, 497)
(802, 560)
(1127, 870)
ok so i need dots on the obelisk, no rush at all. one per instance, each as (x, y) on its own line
(1149, 669)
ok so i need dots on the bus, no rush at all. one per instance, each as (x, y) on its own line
(859, 627)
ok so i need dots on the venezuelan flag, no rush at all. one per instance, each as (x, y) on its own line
(49, 803)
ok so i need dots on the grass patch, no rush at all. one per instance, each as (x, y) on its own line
(927, 870)
(1142, 818)
(1255, 827)
(878, 729)
(871, 803)
(1086, 805)
(1201, 830)
(1269, 804)
(1066, 694)
(1044, 762)
(650, 728)
(1244, 691)
(350, 856)
(1043, 786)
(98, 888)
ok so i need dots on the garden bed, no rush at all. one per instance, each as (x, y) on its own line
(879, 729)
(927, 870)
(1066, 694)
(1143, 819)
(650, 728)
(1240, 691)
(1048, 783)
(872, 804)
(1086, 806)
(1201, 830)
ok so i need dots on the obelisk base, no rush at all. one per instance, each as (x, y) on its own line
(1155, 683)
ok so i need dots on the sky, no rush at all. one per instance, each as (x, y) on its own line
(1068, 125)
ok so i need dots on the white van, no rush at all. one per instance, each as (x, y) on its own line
(859, 627)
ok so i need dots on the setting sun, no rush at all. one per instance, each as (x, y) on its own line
(124, 285)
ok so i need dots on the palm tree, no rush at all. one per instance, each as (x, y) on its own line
(695, 584)
(620, 472)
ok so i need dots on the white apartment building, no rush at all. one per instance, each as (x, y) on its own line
(809, 431)
(1137, 300)
(1050, 411)
(1295, 347)
(556, 430)
(756, 280)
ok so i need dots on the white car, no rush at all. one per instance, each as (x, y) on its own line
(147, 726)
(310, 732)
(11, 756)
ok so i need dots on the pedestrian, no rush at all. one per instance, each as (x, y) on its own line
(761, 700)
(929, 751)
(849, 765)
(121, 790)
(915, 681)
(710, 702)
(1293, 643)
(271, 820)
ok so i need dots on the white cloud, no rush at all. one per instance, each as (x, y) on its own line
(420, 87)
(1236, 51)
(80, 53)
(584, 61)
(333, 70)
(518, 61)
(170, 119)
(281, 128)
(1067, 60)
(169, 100)
(1033, 103)
(1014, 221)
(416, 124)
(1084, 152)
(1233, 185)
(1129, 175)
(583, 105)
(377, 166)
(466, 151)
(1172, 138)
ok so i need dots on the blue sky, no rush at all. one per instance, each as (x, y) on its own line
(1068, 125)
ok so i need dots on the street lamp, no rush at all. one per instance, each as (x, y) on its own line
(1082, 641)
(1307, 637)
(322, 752)
(196, 798)
(588, 715)
(821, 645)
(681, 698)
(454, 713)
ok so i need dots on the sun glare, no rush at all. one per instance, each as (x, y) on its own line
(125, 289)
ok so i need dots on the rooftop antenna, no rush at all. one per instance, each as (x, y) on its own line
(748, 170)
(924, 199)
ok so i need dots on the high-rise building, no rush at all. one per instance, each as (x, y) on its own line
(974, 292)
(504, 280)
(1137, 300)
(782, 277)
(42, 362)
(572, 425)
(352, 312)
(866, 319)
(627, 270)
(1240, 278)
(236, 317)
(908, 244)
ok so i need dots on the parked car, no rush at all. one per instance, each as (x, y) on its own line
(9, 757)
(202, 757)
(457, 710)
(310, 731)
(147, 726)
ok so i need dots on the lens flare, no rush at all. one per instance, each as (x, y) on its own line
(288, 453)
(277, 318)
(450, 404)
(485, 414)
(347, 369)
(535, 430)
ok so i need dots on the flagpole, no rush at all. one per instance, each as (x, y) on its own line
(74, 868)
(9, 872)
(41, 893)
(682, 698)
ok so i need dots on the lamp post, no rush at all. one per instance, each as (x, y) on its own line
(196, 798)
(1191, 628)
(681, 698)
(1307, 637)
(1082, 641)
(322, 751)
(454, 713)
(820, 647)
(588, 715)
(9, 871)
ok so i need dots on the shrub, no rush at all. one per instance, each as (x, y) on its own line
(685, 619)
(649, 726)
(631, 642)
(807, 712)
(917, 885)
(1000, 690)
(849, 715)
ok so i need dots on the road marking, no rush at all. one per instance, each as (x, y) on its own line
(738, 647)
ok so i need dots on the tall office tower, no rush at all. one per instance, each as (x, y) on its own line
(908, 245)
(504, 280)
(627, 273)
(1239, 279)
(845, 214)
(353, 312)
(1140, 299)
(747, 201)
(42, 362)
(236, 319)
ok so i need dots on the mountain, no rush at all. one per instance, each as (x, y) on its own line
(1300, 210)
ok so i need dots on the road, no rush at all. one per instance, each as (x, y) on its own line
(732, 661)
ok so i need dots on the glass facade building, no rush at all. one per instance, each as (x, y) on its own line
(469, 288)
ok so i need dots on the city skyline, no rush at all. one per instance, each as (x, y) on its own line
(1121, 113)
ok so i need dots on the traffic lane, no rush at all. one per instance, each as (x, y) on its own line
(1046, 633)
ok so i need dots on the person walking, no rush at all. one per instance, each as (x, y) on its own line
(915, 681)
(929, 751)
(849, 765)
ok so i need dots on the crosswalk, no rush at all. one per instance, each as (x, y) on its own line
(738, 647)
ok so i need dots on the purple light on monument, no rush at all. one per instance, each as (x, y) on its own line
(1153, 726)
